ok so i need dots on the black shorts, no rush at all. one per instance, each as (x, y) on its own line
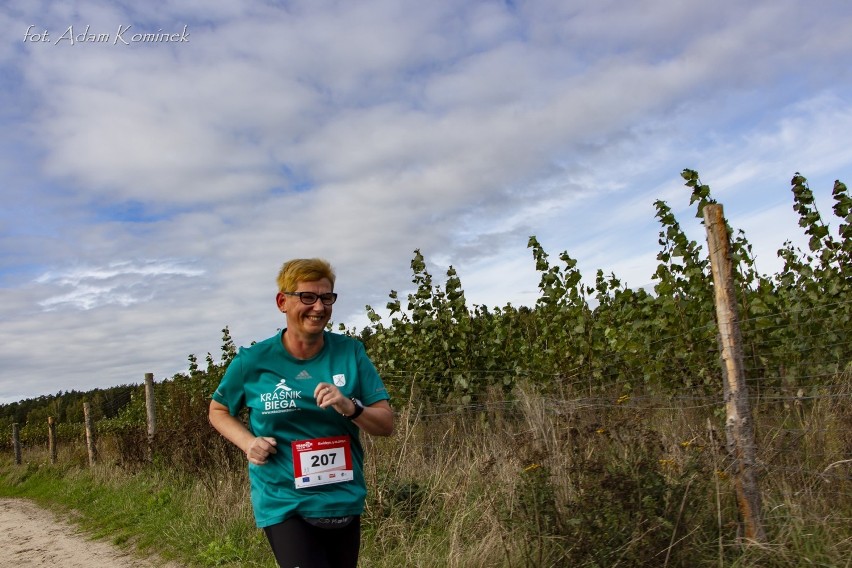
(299, 544)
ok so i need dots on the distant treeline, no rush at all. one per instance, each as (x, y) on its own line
(67, 406)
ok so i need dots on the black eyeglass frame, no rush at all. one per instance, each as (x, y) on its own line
(327, 299)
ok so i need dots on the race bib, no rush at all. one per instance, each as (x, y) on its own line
(321, 461)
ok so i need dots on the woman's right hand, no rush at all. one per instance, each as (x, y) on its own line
(260, 449)
(257, 448)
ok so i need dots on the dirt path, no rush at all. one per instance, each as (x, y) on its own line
(32, 537)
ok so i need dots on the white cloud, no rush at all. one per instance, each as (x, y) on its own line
(124, 283)
(361, 131)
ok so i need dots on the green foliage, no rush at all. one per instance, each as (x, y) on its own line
(535, 514)
(625, 471)
(792, 323)
(433, 347)
(220, 552)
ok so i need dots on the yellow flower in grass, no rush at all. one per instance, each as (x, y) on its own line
(691, 444)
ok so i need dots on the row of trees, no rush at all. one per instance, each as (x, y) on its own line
(67, 406)
(796, 323)
(602, 337)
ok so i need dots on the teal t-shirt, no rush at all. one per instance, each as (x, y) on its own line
(278, 390)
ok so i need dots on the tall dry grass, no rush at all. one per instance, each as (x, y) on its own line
(528, 480)
(609, 481)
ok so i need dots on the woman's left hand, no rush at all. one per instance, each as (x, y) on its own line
(376, 419)
(327, 395)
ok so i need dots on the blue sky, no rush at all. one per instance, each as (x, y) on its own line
(151, 190)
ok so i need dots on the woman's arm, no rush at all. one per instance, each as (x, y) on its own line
(376, 419)
(256, 448)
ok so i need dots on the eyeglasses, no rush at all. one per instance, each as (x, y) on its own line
(310, 298)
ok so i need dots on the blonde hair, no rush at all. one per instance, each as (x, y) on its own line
(304, 270)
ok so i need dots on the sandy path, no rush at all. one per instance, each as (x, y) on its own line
(32, 537)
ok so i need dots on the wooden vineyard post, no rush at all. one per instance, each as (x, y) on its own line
(16, 443)
(739, 429)
(51, 438)
(152, 414)
(90, 435)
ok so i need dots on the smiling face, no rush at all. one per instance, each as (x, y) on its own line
(303, 321)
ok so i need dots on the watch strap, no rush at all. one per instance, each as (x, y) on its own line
(359, 408)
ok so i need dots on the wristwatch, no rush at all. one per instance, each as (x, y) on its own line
(359, 408)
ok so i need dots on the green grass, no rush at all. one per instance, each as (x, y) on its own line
(150, 512)
(510, 486)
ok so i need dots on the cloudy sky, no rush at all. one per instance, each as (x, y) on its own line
(151, 189)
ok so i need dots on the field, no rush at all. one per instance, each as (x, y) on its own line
(527, 481)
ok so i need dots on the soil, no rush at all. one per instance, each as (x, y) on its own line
(33, 537)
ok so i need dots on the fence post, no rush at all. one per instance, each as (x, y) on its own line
(51, 438)
(90, 435)
(16, 443)
(739, 429)
(152, 414)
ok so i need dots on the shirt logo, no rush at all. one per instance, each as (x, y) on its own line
(281, 399)
(339, 380)
(303, 375)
